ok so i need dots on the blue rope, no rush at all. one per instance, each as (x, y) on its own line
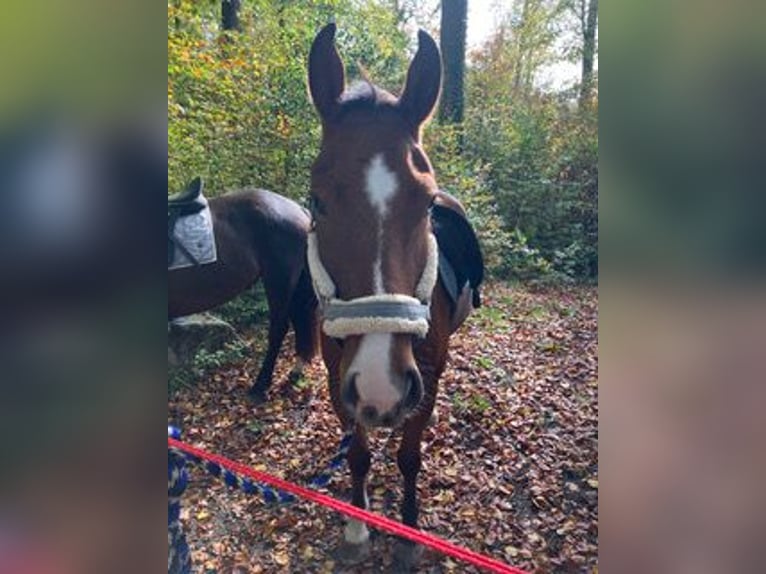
(179, 556)
(323, 479)
(248, 486)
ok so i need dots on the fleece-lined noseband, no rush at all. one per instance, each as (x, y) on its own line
(385, 313)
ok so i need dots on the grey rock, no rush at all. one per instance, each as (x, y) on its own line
(186, 335)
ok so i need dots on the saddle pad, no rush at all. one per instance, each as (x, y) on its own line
(193, 234)
(460, 258)
(449, 278)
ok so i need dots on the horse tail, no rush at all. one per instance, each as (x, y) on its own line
(303, 316)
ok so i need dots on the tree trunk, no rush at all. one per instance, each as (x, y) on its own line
(230, 14)
(520, 69)
(452, 43)
(588, 53)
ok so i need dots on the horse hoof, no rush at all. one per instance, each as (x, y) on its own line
(406, 557)
(352, 554)
(296, 373)
(433, 420)
(257, 396)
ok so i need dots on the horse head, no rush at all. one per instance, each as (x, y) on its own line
(372, 253)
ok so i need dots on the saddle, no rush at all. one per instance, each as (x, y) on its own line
(460, 258)
(187, 202)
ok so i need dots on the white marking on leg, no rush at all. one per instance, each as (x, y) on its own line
(372, 364)
(380, 185)
(433, 420)
(356, 531)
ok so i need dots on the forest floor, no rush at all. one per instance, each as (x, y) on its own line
(510, 470)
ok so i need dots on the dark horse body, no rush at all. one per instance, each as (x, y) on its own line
(259, 235)
(378, 215)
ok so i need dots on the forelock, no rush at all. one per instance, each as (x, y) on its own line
(364, 95)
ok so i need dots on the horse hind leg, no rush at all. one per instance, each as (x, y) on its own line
(355, 547)
(278, 323)
(303, 317)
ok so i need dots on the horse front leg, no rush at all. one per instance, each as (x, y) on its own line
(356, 536)
(409, 460)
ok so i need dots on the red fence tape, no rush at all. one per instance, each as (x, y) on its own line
(370, 518)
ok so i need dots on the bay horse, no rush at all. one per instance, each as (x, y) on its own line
(382, 234)
(259, 235)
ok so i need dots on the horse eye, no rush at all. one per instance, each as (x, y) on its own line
(420, 161)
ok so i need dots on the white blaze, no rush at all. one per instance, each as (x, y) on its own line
(372, 362)
(380, 185)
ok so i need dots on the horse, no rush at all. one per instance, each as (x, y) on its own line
(259, 235)
(395, 264)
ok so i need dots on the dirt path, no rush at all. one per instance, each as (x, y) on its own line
(511, 469)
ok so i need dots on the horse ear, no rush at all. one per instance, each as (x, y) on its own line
(326, 75)
(195, 185)
(421, 91)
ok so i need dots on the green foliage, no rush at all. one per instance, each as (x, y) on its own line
(485, 362)
(238, 110)
(525, 262)
(179, 378)
(248, 309)
(543, 169)
(491, 317)
(576, 260)
(524, 163)
(540, 150)
(470, 404)
(207, 361)
(466, 178)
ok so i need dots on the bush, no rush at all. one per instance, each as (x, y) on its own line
(238, 109)
(524, 165)
(541, 158)
(248, 309)
(466, 179)
(206, 361)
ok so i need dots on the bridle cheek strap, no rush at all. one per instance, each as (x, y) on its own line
(384, 313)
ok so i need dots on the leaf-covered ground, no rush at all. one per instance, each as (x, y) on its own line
(510, 470)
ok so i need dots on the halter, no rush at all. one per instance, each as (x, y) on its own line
(385, 313)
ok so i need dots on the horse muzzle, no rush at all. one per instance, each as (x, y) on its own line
(370, 414)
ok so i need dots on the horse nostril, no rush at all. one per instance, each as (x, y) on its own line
(350, 394)
(369, 414)
(413, 389)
